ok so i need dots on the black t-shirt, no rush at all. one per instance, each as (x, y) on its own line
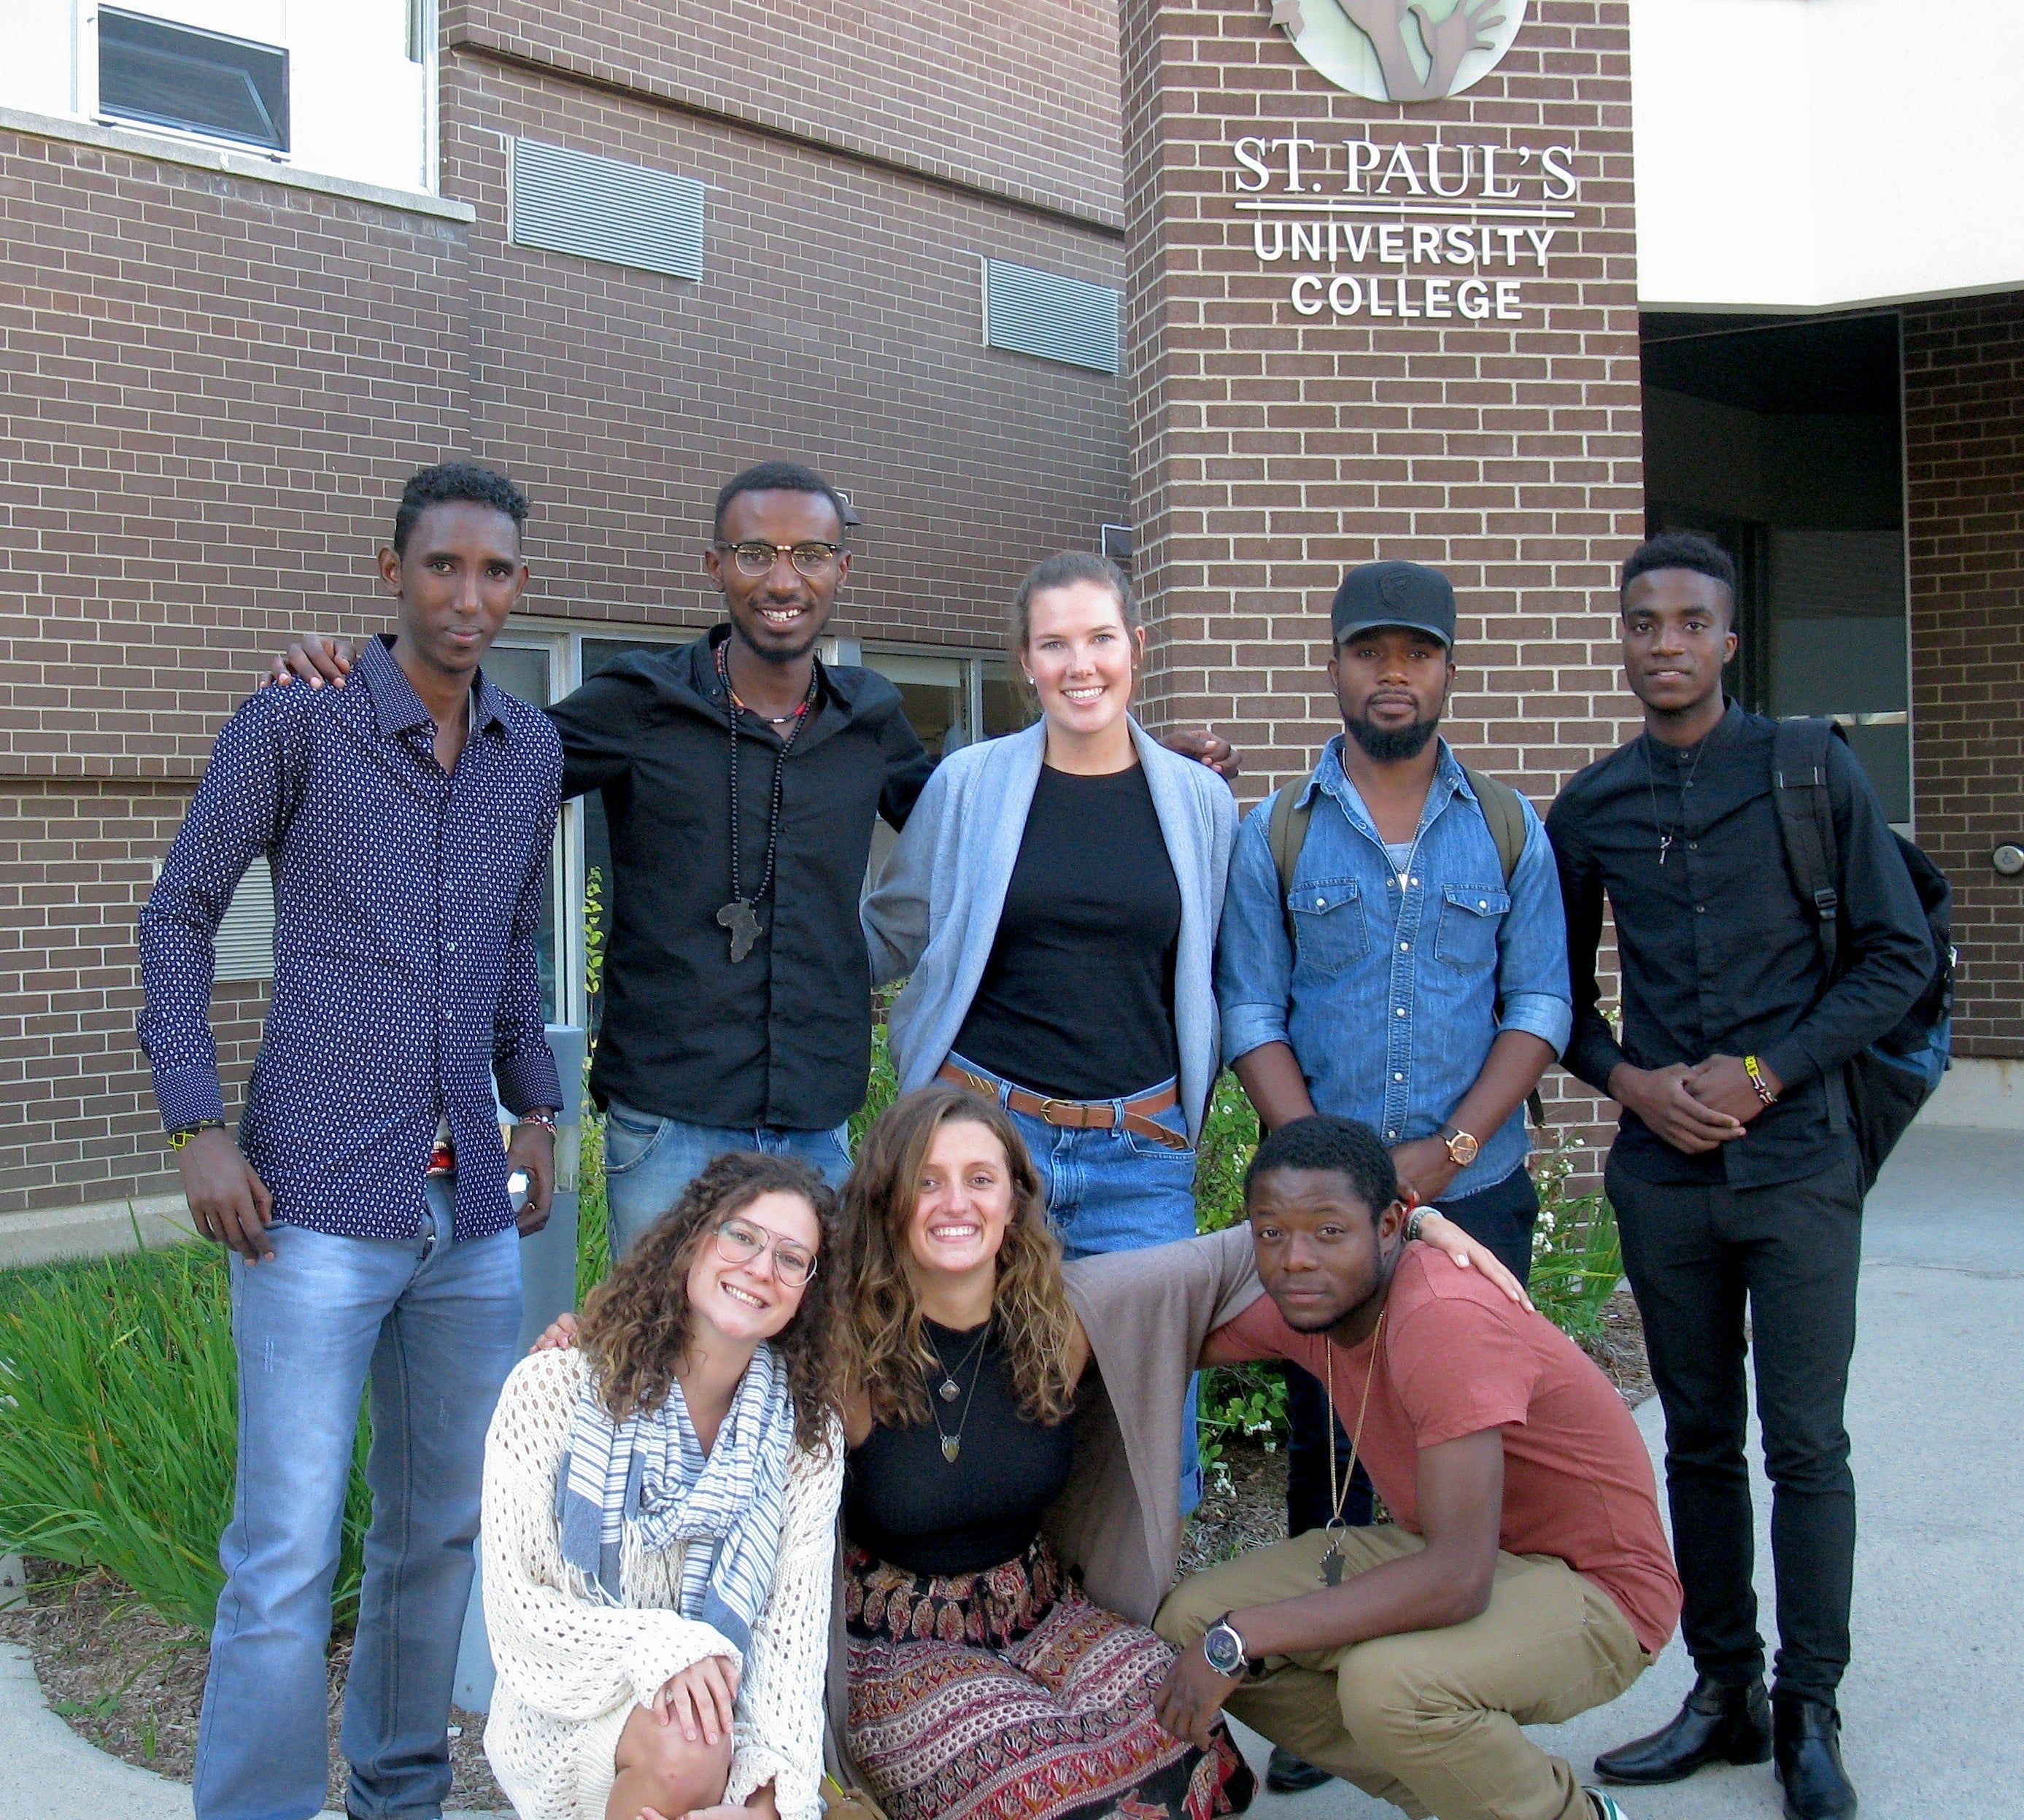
(1077, 999)
(906, 1503)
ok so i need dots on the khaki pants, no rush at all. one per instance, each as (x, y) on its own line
(1429, 1720)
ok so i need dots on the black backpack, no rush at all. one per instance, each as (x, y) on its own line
(1897, 1075)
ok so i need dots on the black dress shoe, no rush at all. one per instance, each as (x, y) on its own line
(1718, 1724)
(1807, 1735)
(1287, 1775)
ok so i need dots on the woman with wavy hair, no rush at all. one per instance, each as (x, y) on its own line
(659, 1520)
(984, 1682)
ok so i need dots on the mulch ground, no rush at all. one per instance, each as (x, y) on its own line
(132, 1685)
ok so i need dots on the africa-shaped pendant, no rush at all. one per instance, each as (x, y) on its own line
(951, 1446)
(950, 1389)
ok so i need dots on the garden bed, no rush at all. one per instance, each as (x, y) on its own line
(131, 1684)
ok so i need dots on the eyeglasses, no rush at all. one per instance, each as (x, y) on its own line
(813, 560)
(739, 1242)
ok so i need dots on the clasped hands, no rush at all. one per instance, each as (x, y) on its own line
(1694, 1109)
(699, 1700)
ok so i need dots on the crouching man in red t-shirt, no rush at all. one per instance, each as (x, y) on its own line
(1524, 1576)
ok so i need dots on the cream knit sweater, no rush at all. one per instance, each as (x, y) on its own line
(570, 1672)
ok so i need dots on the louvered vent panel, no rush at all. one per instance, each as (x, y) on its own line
(246, 937)
(598, 208)
(1044, 313)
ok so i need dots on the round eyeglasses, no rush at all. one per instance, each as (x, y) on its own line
(740, 1241)
(815, 561)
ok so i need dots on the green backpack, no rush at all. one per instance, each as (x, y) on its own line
(1286, 833)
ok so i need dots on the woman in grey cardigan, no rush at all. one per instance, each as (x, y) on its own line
(1055, 899)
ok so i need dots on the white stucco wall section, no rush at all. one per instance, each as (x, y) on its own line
(1814, 154)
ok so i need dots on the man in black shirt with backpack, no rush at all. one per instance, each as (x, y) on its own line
(1774, 946)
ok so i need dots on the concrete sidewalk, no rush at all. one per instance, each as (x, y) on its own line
(1933, 1408)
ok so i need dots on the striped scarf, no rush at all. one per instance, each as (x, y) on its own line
(650, 1472)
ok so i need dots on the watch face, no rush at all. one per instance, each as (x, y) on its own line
(1224, 1650)
(1463, 1148)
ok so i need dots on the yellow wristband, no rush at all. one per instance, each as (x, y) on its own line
(1757, 1080)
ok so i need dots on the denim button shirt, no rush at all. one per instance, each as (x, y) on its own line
(1398, 991)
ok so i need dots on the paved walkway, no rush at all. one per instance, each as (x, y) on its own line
(1934, 1403)
(1939, 1616)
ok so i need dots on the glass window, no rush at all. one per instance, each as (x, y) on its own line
(160, 74)
(525, 671)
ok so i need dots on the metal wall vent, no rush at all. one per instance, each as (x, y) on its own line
(598, 208)
(245, 943)
(1028, 312)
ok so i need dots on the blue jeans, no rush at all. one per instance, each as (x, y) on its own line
(1113, 1191)
(649, 1160)
(435, 1325)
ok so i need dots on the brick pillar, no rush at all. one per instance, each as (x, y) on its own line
(1485, 421)
(1964, 397)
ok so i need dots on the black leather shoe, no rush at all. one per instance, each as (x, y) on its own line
(1287, 1775)
(1717, 1725)
(1807, 1735)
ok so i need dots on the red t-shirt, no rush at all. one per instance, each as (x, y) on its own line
(1458, 1357)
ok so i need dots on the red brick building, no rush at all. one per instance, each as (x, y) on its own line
(621, 251)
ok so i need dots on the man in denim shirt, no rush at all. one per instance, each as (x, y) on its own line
(1420, 993)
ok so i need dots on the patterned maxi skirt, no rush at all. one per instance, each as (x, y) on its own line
(1007, 1695)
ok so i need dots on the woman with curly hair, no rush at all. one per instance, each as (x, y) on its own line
(984, 1682)
(659, 1519)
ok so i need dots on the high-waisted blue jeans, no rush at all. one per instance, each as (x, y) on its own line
(649, 1160)
(435, 1324)
(1113, 1191)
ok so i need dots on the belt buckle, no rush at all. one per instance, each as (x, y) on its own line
(1048, 1105)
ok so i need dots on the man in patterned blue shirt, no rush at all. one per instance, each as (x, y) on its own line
(408, 825)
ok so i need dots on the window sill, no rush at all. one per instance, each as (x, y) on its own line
(258, 166)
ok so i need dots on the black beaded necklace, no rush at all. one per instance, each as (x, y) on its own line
(738, 916)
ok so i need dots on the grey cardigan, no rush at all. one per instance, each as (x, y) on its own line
(934, 911)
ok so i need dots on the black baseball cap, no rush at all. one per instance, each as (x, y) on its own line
(1401, 594)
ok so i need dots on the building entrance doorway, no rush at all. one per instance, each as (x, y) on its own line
(1782, 440)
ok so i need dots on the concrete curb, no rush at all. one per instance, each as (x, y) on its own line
(51, 1774)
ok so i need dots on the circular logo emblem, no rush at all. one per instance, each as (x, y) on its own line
(1401, 50)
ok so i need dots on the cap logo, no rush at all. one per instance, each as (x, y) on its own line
(1398, 588)
(1389, 50)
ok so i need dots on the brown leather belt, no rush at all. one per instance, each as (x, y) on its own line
(1080, 1115)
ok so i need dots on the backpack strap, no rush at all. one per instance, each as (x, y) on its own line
(1806, 820)
(1505, 814)
(1285, 834)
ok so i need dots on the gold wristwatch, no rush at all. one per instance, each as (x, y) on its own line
(1462, 1148)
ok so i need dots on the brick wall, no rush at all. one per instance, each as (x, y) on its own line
(838, 322)
(1276, 449)
(216, 385)
(1020, 101)
(1964, 466)
(77, 857)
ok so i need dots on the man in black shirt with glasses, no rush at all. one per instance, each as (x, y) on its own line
(1734, 1175)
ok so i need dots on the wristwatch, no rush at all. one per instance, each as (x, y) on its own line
(1461, 1148)
(1224, 1648)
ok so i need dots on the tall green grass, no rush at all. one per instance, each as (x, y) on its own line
(118, 1424)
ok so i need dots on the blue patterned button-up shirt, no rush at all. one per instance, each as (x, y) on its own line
(1399, 985)
(407, 905)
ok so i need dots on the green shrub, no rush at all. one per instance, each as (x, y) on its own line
(1577, 1252)
(118, 1424)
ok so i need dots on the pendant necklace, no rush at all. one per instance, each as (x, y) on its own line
(949, 1389)
(1664, 833)
(738, 916)
(1331, 1561)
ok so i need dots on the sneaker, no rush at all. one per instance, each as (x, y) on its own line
(1605, 1806)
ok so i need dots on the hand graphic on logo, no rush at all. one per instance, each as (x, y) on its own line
(1447, 41)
